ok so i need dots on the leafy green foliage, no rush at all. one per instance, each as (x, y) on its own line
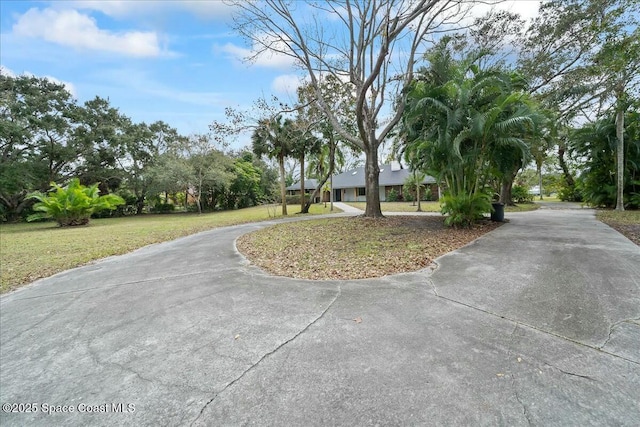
(73, 204)
(521, 195)
(463, 210)
(468, 126)
(164, 207)
(596, 144)
(393, 196)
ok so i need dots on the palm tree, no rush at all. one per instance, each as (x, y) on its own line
(273, 139)
(465, 125)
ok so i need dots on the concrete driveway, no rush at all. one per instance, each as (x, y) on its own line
(536, 323)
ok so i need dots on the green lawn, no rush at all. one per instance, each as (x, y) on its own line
(29, 251)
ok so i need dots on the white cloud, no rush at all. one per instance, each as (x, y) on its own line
(287, 84)
(272, 58)
(71, 28)
(527, 9)
(127, 8)
(7, 71)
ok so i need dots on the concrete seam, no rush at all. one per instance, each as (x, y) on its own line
(539, 330)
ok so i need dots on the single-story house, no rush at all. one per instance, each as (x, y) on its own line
(350, 185)
(309, 187)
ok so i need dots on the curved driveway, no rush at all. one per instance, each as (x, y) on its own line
(535, 323)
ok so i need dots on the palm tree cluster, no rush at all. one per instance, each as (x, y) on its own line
(470, 128)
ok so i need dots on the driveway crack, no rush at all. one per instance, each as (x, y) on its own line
(525, 411)
(514, 387)
(571, 373)
(612, 327)
(266, 355)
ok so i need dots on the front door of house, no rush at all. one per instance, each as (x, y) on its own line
(337, 195)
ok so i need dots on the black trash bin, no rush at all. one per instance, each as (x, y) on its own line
(498, 212)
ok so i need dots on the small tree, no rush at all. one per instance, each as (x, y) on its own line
(73, 204)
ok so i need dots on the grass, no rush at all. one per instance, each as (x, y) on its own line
(30, 251)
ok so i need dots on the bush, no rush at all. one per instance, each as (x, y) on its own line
(163, 208)
(570, 194)
(520, 194)
(408, 195)
(73, 204)
(294, 199)
(392, 196)
(463, 210)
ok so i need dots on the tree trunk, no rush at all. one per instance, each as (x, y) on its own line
(506, 184)
(620, 160)
(568, 178)
(332, 152)
(505, 192)
(139, 205)
(372, 184)
(418, 196)
(302, 185)
(540, 181)
(283, 186)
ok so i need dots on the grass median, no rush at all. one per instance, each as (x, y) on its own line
(30, 251)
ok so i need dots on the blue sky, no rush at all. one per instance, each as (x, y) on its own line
(179, 62)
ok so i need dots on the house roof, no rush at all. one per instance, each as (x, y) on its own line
(309, 184)
(355, 177)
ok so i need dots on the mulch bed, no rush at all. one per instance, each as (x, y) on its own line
(355, 247)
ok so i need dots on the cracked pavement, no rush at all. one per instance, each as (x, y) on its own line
(535, 323)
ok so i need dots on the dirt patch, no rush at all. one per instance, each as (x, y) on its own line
(626, 222)
(355, 247)
(630, 231)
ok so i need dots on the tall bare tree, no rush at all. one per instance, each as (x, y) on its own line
(369, 44)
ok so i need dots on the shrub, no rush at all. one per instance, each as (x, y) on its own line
(520, 194)
(408, 195)
(570, 194)
(392, 196)
(163, 207)
(73, 204)
(463, 210)
(294, 199)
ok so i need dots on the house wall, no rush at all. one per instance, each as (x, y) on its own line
(351, 194)
(348, 195)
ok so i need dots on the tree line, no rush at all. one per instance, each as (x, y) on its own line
(47, 137)
(472, 108)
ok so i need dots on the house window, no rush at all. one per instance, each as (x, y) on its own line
(361, 191)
